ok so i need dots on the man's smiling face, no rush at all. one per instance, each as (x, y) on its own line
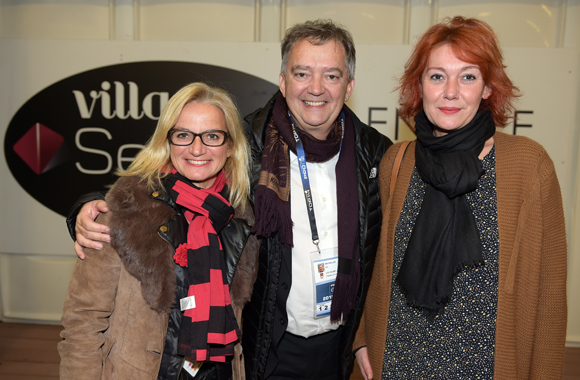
(316, 85)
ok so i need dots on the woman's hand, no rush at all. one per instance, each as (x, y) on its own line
(362, 358)
(89, 233)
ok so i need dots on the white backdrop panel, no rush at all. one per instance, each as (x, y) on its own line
(547, 77)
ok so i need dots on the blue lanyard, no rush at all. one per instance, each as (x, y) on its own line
(305, 179)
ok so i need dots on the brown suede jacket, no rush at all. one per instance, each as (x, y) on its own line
(531, 306)
(118, 302)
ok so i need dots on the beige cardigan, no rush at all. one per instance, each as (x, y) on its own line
(531, 311)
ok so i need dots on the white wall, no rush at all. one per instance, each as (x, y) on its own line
(44, 41)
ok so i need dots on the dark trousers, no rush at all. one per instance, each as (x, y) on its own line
(317, 357)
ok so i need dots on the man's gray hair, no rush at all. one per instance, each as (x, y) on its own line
(319, 32)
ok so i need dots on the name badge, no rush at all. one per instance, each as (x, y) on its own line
(192, 367)
(187, 303)
(324, 269)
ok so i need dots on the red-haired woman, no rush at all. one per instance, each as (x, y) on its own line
(470, 276)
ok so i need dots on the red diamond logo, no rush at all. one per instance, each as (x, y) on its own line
(38, 148)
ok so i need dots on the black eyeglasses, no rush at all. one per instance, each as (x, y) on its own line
(211, 138)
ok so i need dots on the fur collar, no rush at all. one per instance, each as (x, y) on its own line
(134, 236)
(136, 218)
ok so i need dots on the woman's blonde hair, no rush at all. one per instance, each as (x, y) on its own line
(154, 161)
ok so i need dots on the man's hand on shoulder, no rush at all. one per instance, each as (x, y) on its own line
(90, 234)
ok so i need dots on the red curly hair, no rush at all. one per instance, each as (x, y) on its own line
(472, 41)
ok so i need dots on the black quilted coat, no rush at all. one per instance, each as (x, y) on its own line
(265, 317)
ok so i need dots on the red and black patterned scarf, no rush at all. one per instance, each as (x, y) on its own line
(209, 330)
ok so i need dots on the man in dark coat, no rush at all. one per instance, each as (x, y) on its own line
(329, 222)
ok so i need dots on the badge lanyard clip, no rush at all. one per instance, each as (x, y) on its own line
(317, 246)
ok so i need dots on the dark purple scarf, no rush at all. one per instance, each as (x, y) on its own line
(272, 207)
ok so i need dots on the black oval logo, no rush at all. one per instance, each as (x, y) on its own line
(69, 138)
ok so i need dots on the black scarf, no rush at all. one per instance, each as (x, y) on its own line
(445, 239)
(271, 202)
